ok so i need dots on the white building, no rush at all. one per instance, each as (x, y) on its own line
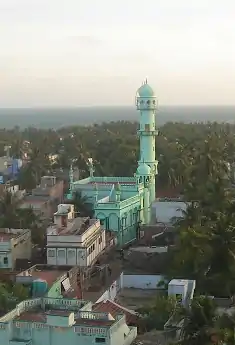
(167, 212)
(73, 241)
(14, 244)
(182, 289)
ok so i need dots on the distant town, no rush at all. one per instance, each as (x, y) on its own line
(118, 233)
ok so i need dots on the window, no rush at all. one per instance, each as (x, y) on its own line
(100, 340)
(100, 239)
(91, 249)
(71, 254)
(147, 127)
(178, 297)
(61, 253)
(5, 261)
(51, 253)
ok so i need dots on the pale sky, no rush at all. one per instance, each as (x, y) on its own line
(97, 52)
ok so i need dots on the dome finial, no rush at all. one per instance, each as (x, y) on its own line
(146, 80)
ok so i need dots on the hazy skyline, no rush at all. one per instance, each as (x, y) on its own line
(67, 52)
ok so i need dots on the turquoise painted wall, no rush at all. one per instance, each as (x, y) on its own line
(55, 290)
(49, 335)
(147, 105)
(40, 333)
(122, 217)
(28, 333)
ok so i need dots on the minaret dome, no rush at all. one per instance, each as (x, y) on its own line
(145, 91)
(143, 169)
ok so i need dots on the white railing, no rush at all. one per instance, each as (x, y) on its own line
(93, 315)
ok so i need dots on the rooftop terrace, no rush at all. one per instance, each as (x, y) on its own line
(42, 306)
(86, 318)
(41, 309)
(76, 226)
(45, 272)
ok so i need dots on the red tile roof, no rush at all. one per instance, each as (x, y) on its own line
(115, 309)
(31, 316)
(50, 276)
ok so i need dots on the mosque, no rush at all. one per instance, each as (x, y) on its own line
(123, 203)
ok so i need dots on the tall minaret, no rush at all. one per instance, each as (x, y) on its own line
(147, 105)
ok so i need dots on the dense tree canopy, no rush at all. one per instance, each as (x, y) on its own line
(114, 147)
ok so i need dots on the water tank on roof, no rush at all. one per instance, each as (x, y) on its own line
(39, 288)
(62, 208)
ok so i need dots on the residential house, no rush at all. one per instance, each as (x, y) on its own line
(14, 244)
(74, 240)
(63, 321)
(45, 198)
(51, 281)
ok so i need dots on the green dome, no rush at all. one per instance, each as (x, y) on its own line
(143, 169)
(145, 91)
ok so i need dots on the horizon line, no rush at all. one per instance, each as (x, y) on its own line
(117, 106)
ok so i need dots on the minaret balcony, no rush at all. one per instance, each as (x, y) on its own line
(150, 132)
(146, 107)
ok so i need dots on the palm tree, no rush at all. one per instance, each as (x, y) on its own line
(38, 165)
(199, 322)
(12, 216)
(81, 205)
(221, 238)
(8, 207)
(4, 298)
(190, 256)
(157, 313)
(11, 295)
(226, 328)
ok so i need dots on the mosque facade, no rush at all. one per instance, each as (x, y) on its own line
(123, 203)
